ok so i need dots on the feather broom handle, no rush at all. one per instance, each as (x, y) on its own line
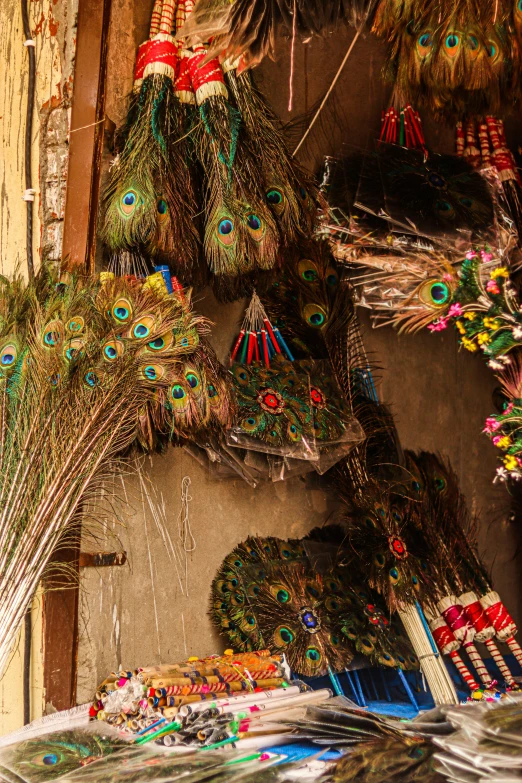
(432, 664)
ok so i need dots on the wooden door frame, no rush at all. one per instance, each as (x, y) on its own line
(60, 604)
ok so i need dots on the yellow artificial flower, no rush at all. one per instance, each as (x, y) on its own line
(469, 344)
(491, 323)
(483, 338)
(461, 327)
(500, 271)
(470, 315)
(504, 442)
(510, 462)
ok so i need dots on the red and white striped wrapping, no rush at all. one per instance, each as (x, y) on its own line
(456, 617)
(460, 140)
(485, 631)
(484, 144)
(499, 660)
(499, 616)
(207, 80)
(477, 616)
(464, 671)
(501, 156)
(448, 644)
(471, 151)
(443, 635)
(161, 56)
(478, 663)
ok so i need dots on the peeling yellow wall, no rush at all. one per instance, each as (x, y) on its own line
(53, 26)
(53, 29)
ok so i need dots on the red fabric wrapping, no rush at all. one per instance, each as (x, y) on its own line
(456, 618)
(444, 637)
(501, 620)
(183, 82)
(477, 617)
(210, 72)
(141, 60)
(161, 52)
(461, 143)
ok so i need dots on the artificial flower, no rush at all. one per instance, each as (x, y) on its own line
(509, 407)
(470, 315)
(439, 325)
(517, 332)
(491, 425)
(469, 344)
(460, 326)
(492, 287)
(502, 441)
(510, 462)
(500, 271)
(483, 338)
(471, 254)
(486, 257)
(455, 310)
(491, 323)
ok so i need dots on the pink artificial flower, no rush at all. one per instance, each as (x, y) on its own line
(492, 287)
(447, 277)
(471, 254)
(439, 325)
(491, 425)
(486, 256)
(455, 310)
(496, 439)
(509, 408)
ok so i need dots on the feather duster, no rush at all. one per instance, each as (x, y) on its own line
(248, 30)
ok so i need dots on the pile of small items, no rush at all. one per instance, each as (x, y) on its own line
(203, 702)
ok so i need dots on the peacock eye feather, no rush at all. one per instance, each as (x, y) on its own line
(112, 350)
(256, 227)
(121, 310)
(308, 271)
(314, 315)
(128, 203)
(225, 232)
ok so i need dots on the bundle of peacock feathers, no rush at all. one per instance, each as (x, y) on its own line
(248, 30)
(202, 167)
(267, 593)
(459, 607)
(459, 59)
(58, 754)
(87, 367)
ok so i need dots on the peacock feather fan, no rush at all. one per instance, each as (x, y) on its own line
(274, 407)
(266, 594)
(311, 303)
(378, 525)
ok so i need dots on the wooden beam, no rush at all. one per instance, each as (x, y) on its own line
(86, 134)
(60, 604)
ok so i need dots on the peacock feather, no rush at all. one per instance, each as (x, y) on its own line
(87, 366)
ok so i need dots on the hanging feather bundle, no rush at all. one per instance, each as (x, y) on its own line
(85, 367)
(461, 60)
(248, 30)
(149, 200)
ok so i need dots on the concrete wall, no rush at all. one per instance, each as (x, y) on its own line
(139, 614)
